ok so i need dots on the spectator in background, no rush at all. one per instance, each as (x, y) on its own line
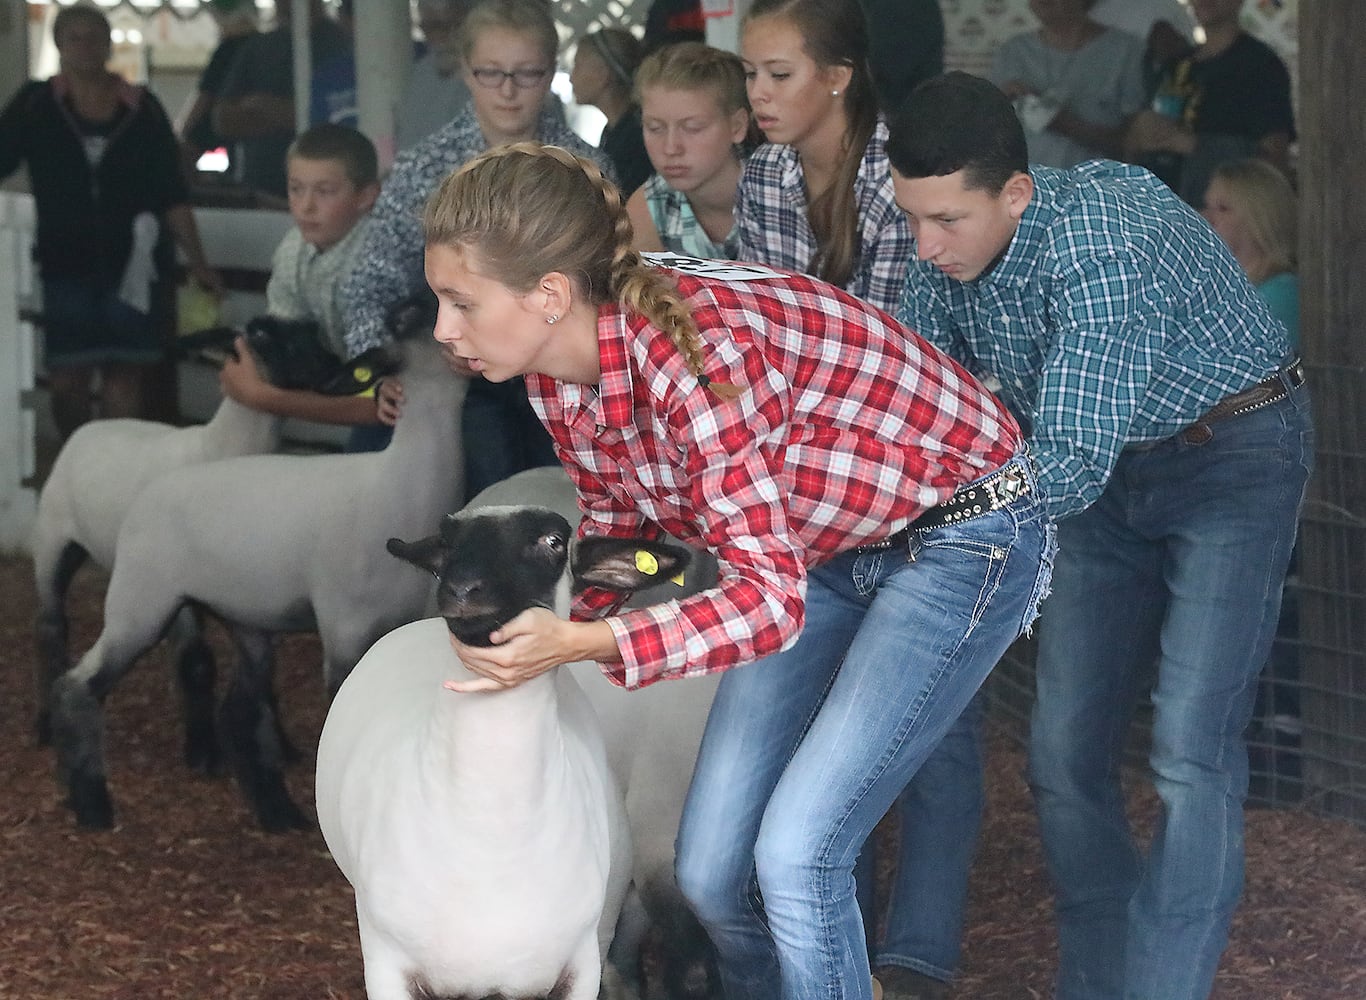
(508, 50)
(333, 183)
(105, 171)
(696, 123)
(603, 77)
(435, 92)
(817, 197)
(332, 96)
(905, 46)
(256, 104)
(236, 20)
(670, 21)
(1252, 207)
(1075, 83)
(1227, 99)
(1165, 27)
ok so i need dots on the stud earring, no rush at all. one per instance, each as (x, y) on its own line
(834, 93)
(552, 320)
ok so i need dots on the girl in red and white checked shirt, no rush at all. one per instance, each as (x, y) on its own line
(869, 503)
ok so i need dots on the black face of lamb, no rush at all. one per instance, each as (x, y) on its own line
(491, 565)
(291, 352)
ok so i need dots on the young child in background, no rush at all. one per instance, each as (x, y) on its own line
(605, 63)
(696, 120)
(333, 182)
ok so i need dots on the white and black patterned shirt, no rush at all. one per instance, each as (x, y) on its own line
(771, 209)
(389, 268)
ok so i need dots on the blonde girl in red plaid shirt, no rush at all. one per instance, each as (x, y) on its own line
(868, 502)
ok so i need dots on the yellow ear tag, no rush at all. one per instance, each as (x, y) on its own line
(677, 579)
(646, 562)
(362, 374)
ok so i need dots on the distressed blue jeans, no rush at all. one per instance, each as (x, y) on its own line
(805, 750)
(1180, 562)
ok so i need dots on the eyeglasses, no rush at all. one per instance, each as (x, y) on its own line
(488, 76)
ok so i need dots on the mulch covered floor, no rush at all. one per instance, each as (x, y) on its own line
(185, 898)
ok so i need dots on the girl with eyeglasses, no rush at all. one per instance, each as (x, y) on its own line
(509, 49)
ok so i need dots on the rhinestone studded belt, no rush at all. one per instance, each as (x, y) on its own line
(992, 493)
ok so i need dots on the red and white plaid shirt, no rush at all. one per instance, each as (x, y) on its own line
(849, 427)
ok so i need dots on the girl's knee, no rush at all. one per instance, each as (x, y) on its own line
(715, 891)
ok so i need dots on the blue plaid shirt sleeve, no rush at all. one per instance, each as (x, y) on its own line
(887, 246)
(922, 310)
(1095, 378)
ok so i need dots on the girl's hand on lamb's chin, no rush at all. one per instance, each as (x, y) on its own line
(524, 648)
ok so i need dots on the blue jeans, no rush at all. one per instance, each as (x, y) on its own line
(805, 750)
(940, 814)
(1180, 562)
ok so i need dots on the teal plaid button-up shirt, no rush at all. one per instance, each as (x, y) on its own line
(1115, 316)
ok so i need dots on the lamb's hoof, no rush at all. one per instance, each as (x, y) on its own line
(276, 811)
(89, 800)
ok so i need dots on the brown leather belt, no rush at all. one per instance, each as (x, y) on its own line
(1271, 389)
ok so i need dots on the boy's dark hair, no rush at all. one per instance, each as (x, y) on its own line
(350, 148)
(954, 122)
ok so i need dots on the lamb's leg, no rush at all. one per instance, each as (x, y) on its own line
(196, 673)
(250, 734)
(52, 575)
(622, 975)
(78, 703)
(388, 972)
(583, 975)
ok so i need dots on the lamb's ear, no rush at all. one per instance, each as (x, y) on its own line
(625, 564)
(425, 553)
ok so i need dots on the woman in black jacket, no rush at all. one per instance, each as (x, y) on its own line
(106, 179)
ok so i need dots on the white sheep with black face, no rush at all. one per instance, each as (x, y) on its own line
(103, 467)
(652, 737)
(268, 544)
(484, 834)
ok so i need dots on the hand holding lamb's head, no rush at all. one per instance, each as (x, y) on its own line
(493, 563)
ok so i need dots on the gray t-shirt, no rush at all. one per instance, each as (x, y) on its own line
(1101, 83)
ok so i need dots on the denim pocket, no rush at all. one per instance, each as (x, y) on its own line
(983, 542)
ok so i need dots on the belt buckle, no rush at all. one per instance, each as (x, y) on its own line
(1006, 488)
